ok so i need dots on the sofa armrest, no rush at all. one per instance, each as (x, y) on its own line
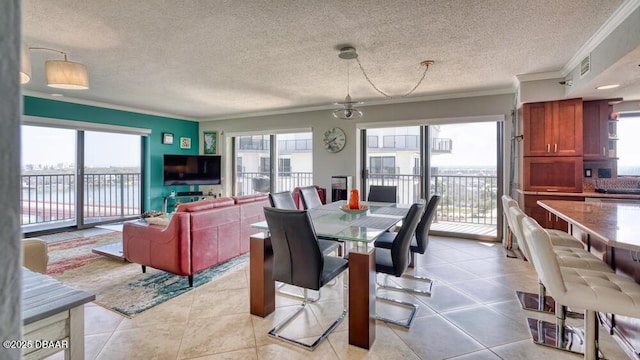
(164, 248)
(35, 255)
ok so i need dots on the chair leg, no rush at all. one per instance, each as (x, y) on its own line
(190, 280)
(297, 296)
(345, 304)
(541, 302)
(144, 269)
(558, 335)
(590, 335)
(409, 321)
(408, 289)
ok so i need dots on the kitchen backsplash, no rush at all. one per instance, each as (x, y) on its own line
(590, 184)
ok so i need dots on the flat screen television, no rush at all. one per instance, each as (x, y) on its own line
(192, 170)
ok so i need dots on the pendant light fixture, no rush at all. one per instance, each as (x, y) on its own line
(61, 74)
(347, 112)
(25, 64)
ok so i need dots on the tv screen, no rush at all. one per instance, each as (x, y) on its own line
(192, 170)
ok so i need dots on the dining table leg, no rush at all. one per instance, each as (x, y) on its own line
(262, 287)
(362, 298)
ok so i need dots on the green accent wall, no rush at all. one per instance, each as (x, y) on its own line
(154, 149)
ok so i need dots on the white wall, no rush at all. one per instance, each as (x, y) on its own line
(347, 162)
(10, 109)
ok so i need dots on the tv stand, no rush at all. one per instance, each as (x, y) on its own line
(171, 205)
(189, 193)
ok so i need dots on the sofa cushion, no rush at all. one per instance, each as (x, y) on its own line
(205, 204)
(250, 198)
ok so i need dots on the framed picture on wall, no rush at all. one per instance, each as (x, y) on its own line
(210, 142)
(167, 138)
(185, 143)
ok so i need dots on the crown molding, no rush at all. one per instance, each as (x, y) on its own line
(497, 91)
(539, 76)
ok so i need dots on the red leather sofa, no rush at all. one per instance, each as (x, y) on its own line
(199, 235)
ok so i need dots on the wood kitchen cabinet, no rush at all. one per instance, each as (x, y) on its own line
(561, 174)
(553, 128)
(595, 121)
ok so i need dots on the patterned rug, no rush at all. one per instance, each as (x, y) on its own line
(121, 286)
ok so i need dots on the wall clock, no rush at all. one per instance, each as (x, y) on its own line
(334, 139)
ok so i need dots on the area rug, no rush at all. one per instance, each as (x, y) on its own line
(121, 286)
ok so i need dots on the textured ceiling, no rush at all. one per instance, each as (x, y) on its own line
(214, 59)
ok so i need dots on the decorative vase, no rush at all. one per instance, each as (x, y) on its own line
(354, 200)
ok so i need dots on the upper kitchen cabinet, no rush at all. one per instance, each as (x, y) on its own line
(599, 130)
(553, 128)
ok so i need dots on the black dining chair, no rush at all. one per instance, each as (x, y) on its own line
(380, 193)
(310, 197)
(282, 200)
(395, 260)
(419, 243)
(298, 261)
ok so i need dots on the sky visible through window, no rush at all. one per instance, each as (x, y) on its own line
(42, 146)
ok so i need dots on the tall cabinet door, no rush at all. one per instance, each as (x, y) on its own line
(567, 128)
(595, 115)
(537, 129)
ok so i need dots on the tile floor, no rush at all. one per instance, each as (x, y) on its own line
(472, 314)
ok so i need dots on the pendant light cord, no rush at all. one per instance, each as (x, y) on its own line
(424, 63)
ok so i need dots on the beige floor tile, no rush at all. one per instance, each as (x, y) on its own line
(488, 327)
(445, 298)
(448, 273)
(484, 291)
(281, 350)
(98, 320)
(478, 355)
(244, 354)
(527, 350)
(235, 279)
(213, 335)
(152, 342)
(388, 345)
(433, 337)
(220, 302)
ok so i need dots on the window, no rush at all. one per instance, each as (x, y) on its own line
(265, 165)
(379, 165)
(628, 146)
(372, 142)
(284, 167)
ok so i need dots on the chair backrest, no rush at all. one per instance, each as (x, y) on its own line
(381, 193)
(507, 203)
(282, 200)
(517, 216)
(402, 241)
(422, 230)
(310, 197)
(297, 259)
(543, 257)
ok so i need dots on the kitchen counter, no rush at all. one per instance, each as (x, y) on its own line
(590, 194)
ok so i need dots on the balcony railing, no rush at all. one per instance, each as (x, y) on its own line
(259, 182)
(52, 198)
(465, 198)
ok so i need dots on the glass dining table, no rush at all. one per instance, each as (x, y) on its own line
(357, 231)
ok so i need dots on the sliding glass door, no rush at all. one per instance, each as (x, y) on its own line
(77, 178)
(262, 168)
(463, 169)
(457, 161)
(48, 194)
(112, 179)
